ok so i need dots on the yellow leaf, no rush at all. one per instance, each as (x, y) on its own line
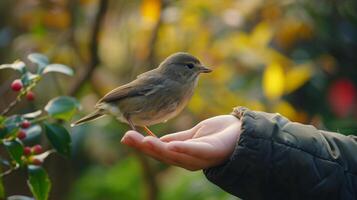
(262, 34)
(150, 10)
(286, 109)
(297, 77)
(273, 81)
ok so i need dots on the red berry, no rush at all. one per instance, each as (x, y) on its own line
(35, 161)
(30, 96)
(21, 134)
(25, 124)
(16, 85)
(27, 151)
(37, 149)
(342, 96)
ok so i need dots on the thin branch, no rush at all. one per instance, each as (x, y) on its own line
(40, 119)
(9, 170)
(93, 47)
(150, 58)
(73, 7)
(4, 162)
(10, 106)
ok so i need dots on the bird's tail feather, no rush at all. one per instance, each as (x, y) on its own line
(92, 116)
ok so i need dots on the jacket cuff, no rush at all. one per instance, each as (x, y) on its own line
(246, 166)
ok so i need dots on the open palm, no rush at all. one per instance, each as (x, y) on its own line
(207, 144)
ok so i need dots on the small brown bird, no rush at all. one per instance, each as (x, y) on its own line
(155, 96)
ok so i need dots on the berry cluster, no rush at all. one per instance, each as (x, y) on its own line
(17, 85)
(30, 153)
(21, 134)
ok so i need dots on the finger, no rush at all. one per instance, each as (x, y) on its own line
(149, 152)
(196, 149)
(154, 147)
(137, 142)
(158, 149)
(132, 138)
(188, 162)
(182, 135)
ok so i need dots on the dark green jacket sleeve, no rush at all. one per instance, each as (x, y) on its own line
(278, 159)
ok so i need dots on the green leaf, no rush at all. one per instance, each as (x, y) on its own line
(15, 150)
(58, 68)
(17, 65)
(8, 130)
(40, 59)
(39, 183)
(10, 125)
(32, 114)
(33, 131)
(19, 197)
(62, 107)
(28, 77)
(2, 119)
(59, 138)
(13, 120)
(3, 130)
(2, 190)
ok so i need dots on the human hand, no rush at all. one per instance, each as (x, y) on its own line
(207, 144)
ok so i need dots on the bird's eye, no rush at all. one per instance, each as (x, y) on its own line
(189, 65)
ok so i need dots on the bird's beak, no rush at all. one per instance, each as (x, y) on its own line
(204, 69)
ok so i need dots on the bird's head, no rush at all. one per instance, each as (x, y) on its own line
(182, 66)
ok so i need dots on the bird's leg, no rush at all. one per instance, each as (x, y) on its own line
(149, 132)
(132, 126)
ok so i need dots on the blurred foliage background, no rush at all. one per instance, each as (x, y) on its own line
(295, 57)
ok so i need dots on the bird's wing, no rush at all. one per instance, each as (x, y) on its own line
(143, 86)
(148, 74)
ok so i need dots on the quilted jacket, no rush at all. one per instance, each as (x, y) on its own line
(278, 159)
